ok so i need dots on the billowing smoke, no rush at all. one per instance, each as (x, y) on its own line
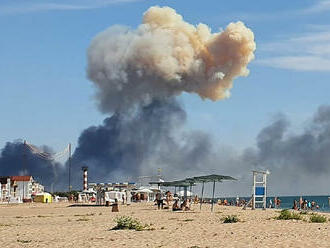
(17, 159)
(138, 73)
(166, 56)
(301, 160)
(127, 146)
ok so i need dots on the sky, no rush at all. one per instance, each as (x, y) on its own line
(46, 98)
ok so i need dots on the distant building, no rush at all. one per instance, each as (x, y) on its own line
(16, 188)
(5, 188)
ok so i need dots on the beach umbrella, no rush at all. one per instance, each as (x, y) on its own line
(209, 178)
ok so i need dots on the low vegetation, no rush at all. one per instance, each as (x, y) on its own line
(83, 215)
(286, 214)
(316, 218)
(83, 219)
(129, 223)
(24, 241)
(230, 219)
(4, 225)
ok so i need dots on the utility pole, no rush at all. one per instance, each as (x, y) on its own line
(24, 162)
(70, 187)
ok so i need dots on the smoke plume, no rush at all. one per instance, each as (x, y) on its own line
(138, 73)
(16, 159)
(132, 145)
(164, 57)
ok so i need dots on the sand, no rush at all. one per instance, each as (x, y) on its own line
(58, 225)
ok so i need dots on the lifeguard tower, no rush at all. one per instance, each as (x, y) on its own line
(259, 190)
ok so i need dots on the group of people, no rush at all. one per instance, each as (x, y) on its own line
(305, 205)
(277, 203)
(185, 205)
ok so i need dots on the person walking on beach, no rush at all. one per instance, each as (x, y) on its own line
(270, 203)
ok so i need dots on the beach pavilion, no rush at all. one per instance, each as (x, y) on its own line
(209, 179)
(192, 181)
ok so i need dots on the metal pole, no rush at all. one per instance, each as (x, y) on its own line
(213, 195)
(254, 191)
(24, 161)
(190, 192)
(200, 208)
(70, 167)
(265, 191)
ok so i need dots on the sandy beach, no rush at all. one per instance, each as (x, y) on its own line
(58, 225)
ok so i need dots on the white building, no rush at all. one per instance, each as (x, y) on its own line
(17, 188)
(21, 187)
(5, 188)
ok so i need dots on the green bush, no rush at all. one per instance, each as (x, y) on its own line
(317, 218)
(231, 219)
(127, 222)
(285, 214)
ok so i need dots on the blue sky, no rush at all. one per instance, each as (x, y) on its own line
(46, 98)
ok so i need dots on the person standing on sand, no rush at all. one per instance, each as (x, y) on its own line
(270, 203)
(295, 207)
(115, 206)
(275, 202)
(278, 202)
(159, 200)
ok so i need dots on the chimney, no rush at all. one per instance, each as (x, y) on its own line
(84, 169)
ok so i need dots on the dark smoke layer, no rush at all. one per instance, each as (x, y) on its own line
(17, 159)
(127, 146)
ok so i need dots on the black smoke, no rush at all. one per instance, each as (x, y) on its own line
(138, 142)
(17, 159)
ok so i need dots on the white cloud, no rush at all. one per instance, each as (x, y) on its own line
(320, 6)
(316, 8)
(39, 6)
(307, 52)
(299, 63)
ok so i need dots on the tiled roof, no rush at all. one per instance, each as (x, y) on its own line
(20, 178)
